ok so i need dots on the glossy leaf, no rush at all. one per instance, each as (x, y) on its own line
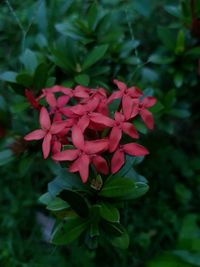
(117, 187)
(29, 60)
(57, 204)
(68, 231)
(94, 56)
(82, 79)
(109, 212)
(76, 201)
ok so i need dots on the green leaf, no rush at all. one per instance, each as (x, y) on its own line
(45, 198)
(25, 79)
(193, 52)
(68, 29)
(109, 212)
(29, 61)
(61, 59)
(190, 257)
(8, 76)
(160, 59)
(6, 156)
(157, 107)
(95, 55)
(82, 79)
(57, 204)
(64, 180)
(122, 241)
(189, 237)
(167, 37)
(180, 113)
(173, 10)
(76, 201)
(116, 234)
(170, 99)
(67, 232)
(40, 77)
(140, 189)
(93, 15)
(117, 187)
(140, 126)
(113, 106)
(178, 79)
(180, 43)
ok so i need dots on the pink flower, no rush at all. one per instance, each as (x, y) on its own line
(46, 131)
(132, 149)
(120, 126)
(57, 107)
(83, 154)
(140, 107)
(127, 95)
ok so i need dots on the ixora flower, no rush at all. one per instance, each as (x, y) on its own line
(46, 132)
(81, 118)
(85, 152)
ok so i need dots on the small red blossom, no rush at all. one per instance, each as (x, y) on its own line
(140, 107)
(132, 149)
(84, 152)
(46, 132)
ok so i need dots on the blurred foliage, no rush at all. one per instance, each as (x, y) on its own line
(68, 42)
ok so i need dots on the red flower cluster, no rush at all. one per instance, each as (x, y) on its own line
(77, 126)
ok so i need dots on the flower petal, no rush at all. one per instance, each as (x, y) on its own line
(44, 119)
(122, 86)
(101, 119)
(78, 109)
(135, 149)
(127, 106)
(57, 127)
(114, 95)
(62, 101)
(134, 92)
(35, 135)
(117, 161)
(81, 91)
(147, 117)
(56, 147)
(97, 146)
(114, 138)
(129, 129)
(74, 167)
(46, 145)
(77, 137)
(92, 104)
(81, 165)
(66, 155)
(119, 116)
(84, 162)
(100, 164)
(83, 123)
(149, 101)
(51, 100)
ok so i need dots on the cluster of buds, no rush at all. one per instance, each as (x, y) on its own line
(77, 126)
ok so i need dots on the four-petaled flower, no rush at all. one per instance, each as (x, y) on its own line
(132, 149)
(127, 95)
(85, 152)
(46, 132)
(140, 107)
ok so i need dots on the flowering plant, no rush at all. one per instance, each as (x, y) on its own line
(95, 135)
